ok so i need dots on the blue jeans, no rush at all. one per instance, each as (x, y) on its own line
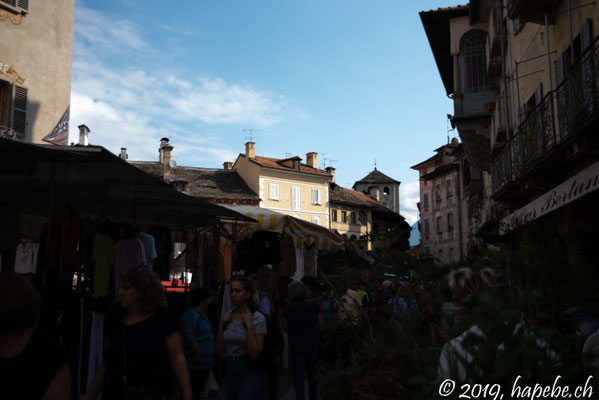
(304, 357)
(242, 384)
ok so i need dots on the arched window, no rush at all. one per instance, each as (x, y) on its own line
(473, 71)
(386, 191)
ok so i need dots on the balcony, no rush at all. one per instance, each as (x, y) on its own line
(532, 10)
(494, 39)
(555, 122)
(9, 133)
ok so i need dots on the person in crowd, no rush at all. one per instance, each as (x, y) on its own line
(144, 348)
(404, 307)
(33, 364)
(349, 310)
(198, 339)
(384, 294)
(263, 299)
(283, 282)
(240, 337)
(267, 309)
(456, 358)
(303, 318)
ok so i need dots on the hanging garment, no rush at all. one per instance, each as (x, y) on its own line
(65, 231)
(96, 346)
(206, 261)
(149, 247)
(128, 253)
(164, 247)
(299, 264)
(102, 254)
(287, 265)
(309, 262)
(26, 258)
(265, 248)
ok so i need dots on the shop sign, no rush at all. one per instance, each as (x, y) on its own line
(566, 192)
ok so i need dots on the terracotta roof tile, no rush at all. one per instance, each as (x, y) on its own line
(269, 162)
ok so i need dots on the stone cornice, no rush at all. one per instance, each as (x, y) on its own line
(15, 18)
(9, 72)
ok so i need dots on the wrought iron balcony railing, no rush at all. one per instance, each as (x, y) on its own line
(9, 133)
(559, 116)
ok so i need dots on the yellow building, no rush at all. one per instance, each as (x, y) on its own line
(287, 185)
(36, 51)
(351, 214)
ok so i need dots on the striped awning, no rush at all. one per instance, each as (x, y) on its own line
(302, 232)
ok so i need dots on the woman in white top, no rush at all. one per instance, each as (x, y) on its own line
(240, 337)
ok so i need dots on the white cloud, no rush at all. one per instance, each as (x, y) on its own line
(409, 194)
(134, 105)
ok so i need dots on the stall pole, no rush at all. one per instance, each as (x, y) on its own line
(50, 206)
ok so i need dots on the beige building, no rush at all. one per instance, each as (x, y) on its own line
(446, 231)
(524, 77)
(351, 215)
(287, 185)
(36, 51)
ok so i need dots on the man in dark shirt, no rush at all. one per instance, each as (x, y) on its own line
(303, 318)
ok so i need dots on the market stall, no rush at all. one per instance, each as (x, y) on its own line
(72, 217)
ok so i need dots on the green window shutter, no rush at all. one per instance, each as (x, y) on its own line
(19, 109)
(23, 4)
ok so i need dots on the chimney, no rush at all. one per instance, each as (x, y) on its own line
(250, 150)
(165, 151)
(123, 154)
(83, 135)
(312, 159)
(331, 171)
(228, 165)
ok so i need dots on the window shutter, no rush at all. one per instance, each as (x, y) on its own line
(586, 35)
(588, 67)
(295, 198)
(560, 77)
(23, 4)
(559, 69)
(540, 120)
(19, 109)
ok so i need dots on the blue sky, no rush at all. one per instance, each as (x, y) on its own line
(352, 80)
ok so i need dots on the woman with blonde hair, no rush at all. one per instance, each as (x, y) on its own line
(240, 337)
(144, 348)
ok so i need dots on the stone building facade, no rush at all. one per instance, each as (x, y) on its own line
(380, 187)
(36, 51)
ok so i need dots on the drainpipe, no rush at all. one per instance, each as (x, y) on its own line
(550, 75)
(571, 34)
(548, 52)
(459, 187)
(505, 80)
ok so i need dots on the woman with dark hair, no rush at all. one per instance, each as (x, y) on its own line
(144, 344)
(32, 362)
(198, 339)
(241, 338)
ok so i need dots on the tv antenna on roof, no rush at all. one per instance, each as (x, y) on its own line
(251, 136)
(287, 154)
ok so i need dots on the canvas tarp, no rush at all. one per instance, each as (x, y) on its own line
(302, 232)
(92, 180)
